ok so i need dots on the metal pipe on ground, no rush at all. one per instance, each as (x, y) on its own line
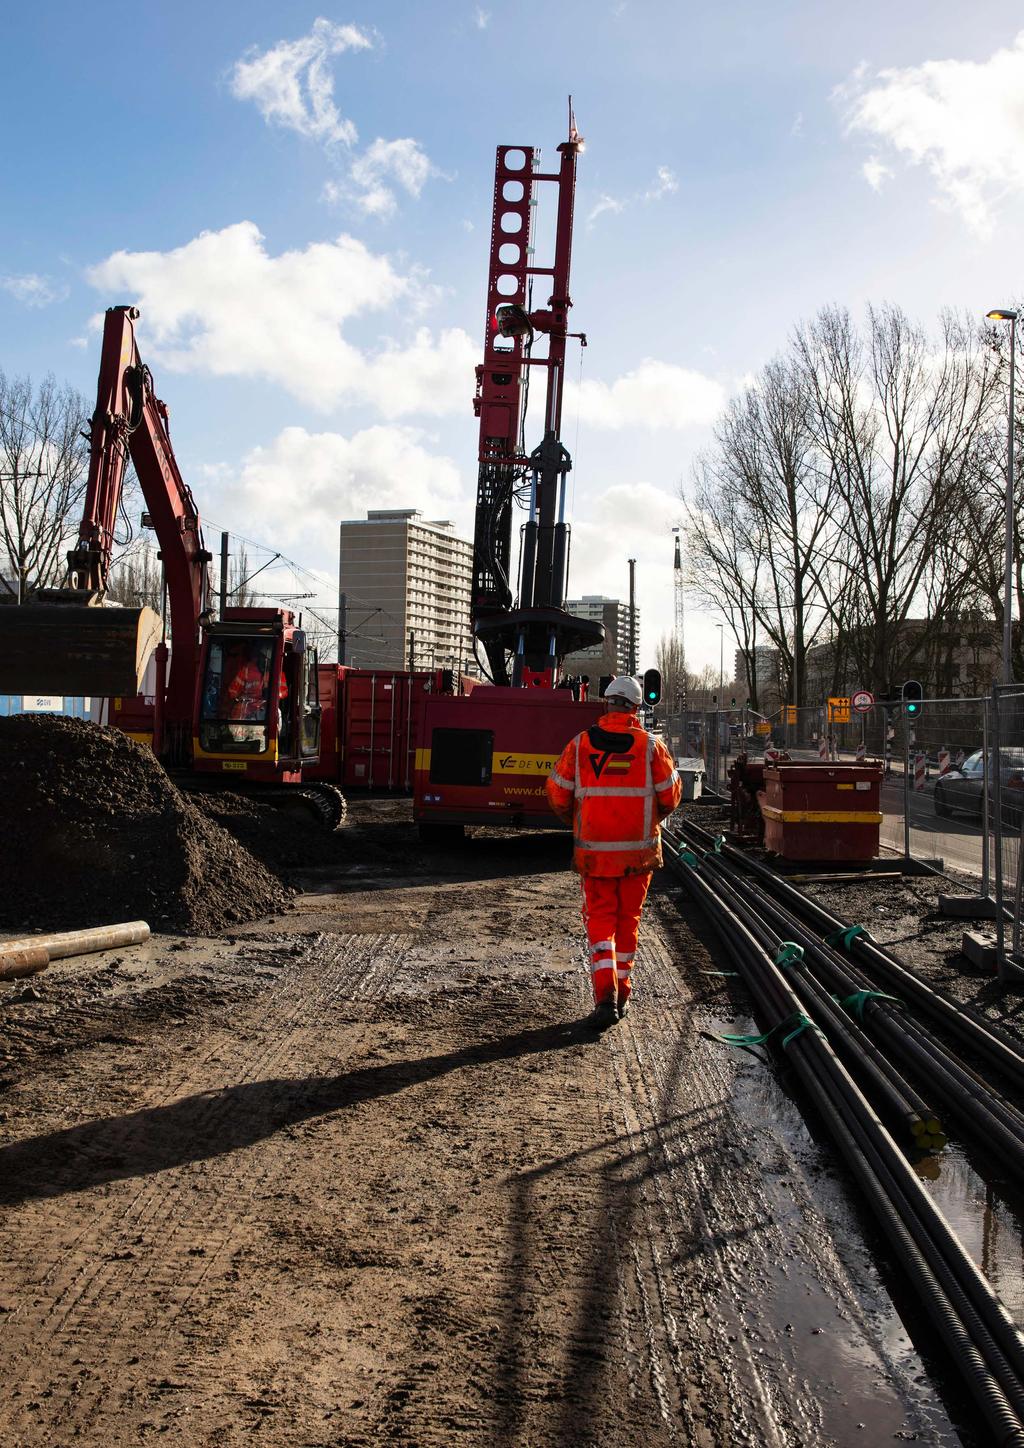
(79, 942)
(975, 1326)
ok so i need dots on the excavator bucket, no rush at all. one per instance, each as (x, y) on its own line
(66, 648)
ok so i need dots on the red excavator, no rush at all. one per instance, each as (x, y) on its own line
(239, 699)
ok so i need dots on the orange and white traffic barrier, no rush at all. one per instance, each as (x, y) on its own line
(945, 762)
(823, 747)
(920, 770)
(862, 751)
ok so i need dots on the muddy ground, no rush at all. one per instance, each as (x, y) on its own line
(359, 1174)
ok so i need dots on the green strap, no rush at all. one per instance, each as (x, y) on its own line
(804, 1024)
(845, 936)
(798, 1022)
(689, 858)
(789, 954)
(718, 972)
(718, 844)
(857, 1001)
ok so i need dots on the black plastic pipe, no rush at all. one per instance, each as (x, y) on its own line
(995, 1336)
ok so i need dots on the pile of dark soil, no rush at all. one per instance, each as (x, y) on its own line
(95, 832)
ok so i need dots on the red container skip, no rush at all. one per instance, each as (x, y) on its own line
(822, 811)
(368, 726)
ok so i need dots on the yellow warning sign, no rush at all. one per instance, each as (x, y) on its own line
(839, 710)
(762, 727)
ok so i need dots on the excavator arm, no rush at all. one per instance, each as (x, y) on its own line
(73, 640)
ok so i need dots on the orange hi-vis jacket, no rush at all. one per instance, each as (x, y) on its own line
(615, 783)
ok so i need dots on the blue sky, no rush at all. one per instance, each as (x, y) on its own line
(298, 198)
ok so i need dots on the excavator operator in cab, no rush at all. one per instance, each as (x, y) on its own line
(247, 688)
(614, 784)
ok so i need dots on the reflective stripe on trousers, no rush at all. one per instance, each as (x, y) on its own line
(611, 916)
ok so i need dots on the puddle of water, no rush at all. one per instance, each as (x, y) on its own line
(990, 1226)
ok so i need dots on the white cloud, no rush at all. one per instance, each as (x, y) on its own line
(292, 86)
(432, 377)
(655, 395)
(299, 487)
(604, 203)
(481, 18)
(403, 161)
(797, 128)
(32, 290)
(876, 173)
(222, 305)
(664, 183)
(962, 120)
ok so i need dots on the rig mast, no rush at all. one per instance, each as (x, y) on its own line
(537, 632)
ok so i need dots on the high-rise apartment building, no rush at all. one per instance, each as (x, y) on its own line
(612, 657)
(404, 592)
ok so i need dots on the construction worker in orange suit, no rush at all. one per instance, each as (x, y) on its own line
(614, 784)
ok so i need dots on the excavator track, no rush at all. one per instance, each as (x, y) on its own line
(323, 804)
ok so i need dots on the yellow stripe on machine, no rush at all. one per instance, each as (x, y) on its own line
(821, 816)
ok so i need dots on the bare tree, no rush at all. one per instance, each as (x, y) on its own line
(896, 423)
(761, 527)
(136, 580)
(43, 467)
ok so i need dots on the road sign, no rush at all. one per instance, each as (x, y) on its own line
(762, 727)
(862, 700)
(839, 710)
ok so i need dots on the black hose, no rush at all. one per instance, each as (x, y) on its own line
(997, 1124)
(981, 1035)
(995, 1336)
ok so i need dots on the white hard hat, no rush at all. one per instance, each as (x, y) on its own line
(624, 688)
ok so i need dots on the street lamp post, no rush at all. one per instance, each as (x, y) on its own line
(1005, 314)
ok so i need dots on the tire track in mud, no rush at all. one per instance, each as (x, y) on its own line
(138, 1263)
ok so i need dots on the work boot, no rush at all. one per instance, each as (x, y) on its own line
(604, 1014)
(623, 1008)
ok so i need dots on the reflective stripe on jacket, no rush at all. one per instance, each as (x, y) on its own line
(615, 783)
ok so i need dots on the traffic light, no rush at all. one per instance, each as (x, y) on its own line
(912, 694)
(652, 687)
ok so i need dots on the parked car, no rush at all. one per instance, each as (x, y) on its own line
(962, 789)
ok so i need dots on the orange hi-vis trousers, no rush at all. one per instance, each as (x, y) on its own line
(611, 918)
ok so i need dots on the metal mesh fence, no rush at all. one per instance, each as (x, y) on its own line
(936, 798)
(1007, 789)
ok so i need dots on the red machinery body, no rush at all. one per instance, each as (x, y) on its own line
(483, 757)
(369, 726)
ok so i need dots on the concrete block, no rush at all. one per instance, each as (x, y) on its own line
(967, 907)
(979, 946)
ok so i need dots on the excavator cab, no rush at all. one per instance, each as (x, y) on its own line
(257, 705)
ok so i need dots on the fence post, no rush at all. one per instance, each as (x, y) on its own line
(986, 879)
(997, 834)
(906, 789)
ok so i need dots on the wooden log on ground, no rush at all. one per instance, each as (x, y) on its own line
(28, 961)
(79, 942)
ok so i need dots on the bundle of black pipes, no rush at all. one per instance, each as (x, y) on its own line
(982, 1037)
(960, 1304)
(989, 1122)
